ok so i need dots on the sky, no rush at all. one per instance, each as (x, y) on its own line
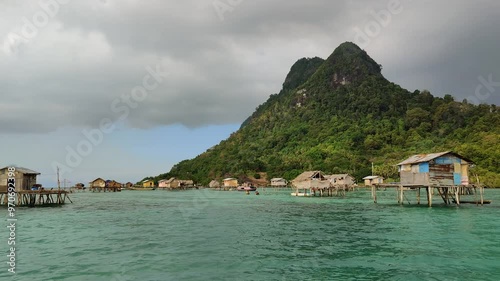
(125, 89)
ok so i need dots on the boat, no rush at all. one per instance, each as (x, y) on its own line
(246, 187)
(301, 194)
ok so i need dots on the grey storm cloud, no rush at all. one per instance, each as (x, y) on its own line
(225, 57)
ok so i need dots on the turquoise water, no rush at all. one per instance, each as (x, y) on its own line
(210, 235)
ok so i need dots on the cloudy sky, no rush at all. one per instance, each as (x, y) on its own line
(123, 89)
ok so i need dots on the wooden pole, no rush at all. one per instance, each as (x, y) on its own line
(481, 188)
(418, 196)
(58, 182)
(401, 195)
(374, 193)
(446, 193)
(429, 196)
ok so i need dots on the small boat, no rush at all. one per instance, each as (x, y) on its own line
(301, 194)
(246, 187)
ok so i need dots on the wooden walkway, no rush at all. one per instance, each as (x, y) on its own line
(449, 194)
(34, 198)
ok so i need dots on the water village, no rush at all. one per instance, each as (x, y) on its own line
(444, 174)
(28, 192)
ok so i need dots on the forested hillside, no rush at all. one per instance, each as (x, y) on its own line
(339, 115)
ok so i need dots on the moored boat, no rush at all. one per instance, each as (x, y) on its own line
(246, 187)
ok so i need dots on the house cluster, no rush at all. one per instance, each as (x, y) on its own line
(232, 183)
(100, 184)
(315, 183)
(172, 183)
(340, 179)
(435, 169)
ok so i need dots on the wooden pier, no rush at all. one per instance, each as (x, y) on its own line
(37, 198)
(449, 194)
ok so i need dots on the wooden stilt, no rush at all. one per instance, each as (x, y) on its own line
(446, 195)
(429, 195)
(401, 195)
(374, 196)
(418, 196)
(481, 190)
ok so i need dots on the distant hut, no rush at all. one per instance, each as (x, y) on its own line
(148, 184)
(444, 168)
(174, 183)
(186, 183)
(112, 185)
(129, 185)
(341, 179)
(279, 182)
(98, 183)
(214, 184)
(79, 186)
(25, 178)
(373, 180)
(230, 182)
(164, 183)
(310, 181)
(170, 183)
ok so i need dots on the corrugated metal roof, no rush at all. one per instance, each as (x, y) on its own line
(421, 158)
(23, 170)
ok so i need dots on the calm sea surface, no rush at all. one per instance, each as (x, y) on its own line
(210, 235)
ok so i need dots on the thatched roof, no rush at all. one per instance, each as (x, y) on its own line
(278, 179)
(214, 184)
(170, 180)
(98, 179)
(337, 176)
(311, 179)
(307, 176)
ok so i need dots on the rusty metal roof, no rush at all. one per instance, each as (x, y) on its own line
(422, 158)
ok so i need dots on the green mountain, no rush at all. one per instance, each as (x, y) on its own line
(339, 115)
